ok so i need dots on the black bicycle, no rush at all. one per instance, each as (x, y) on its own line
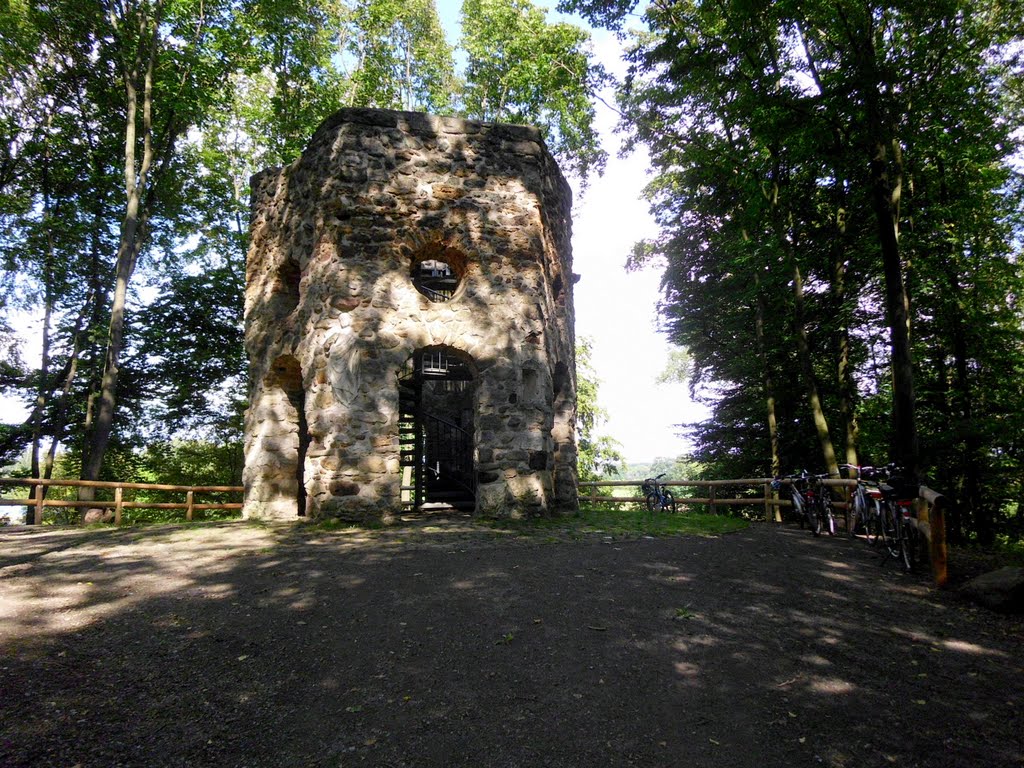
(898, 532)
(824, 513)
(657, 497)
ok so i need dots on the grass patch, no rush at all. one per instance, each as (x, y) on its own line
(630, 522)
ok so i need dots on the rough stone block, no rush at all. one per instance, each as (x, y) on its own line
(1000, 590)
(344, 488)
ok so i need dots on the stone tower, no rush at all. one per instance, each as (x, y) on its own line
(409, 323)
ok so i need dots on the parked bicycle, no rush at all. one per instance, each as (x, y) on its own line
(657, 497)
(824, 518)
(865, 503)
(898, 532)
(798, 486)
(812, 502)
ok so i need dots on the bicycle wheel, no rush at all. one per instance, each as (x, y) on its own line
(816, 515)
(890, 531)
(828, 521)
(873, 522)
(651, 502)
(856, 517)
(668, 503)
(908, 544)
(798, 510)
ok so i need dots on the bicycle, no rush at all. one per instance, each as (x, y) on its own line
(865, 503)
(798, 484)
(657, 497)
(900, 535)
(823, 518)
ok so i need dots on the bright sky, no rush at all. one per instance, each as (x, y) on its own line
(615, 309)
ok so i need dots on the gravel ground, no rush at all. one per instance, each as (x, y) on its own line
(445, 644)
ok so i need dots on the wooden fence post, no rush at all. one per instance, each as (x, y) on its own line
(191, 506)
(118, 504)
(711, 499)
(938, 553)
(39, 502)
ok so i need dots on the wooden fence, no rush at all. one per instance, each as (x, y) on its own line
(37, 500)
(930, 521)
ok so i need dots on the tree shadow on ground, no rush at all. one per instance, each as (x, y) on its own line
(447, 645)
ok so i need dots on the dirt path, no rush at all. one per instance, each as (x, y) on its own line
(451, 646)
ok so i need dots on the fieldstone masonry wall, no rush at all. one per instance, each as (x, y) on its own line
(333, 317)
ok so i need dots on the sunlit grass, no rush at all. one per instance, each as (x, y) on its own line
(627, 522)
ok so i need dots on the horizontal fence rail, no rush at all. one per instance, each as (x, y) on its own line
(37, 501)
(930, 506)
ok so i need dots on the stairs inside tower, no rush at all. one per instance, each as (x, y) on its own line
(436, 454)
(409, 444)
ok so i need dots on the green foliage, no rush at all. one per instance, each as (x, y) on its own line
(193, 462)
(401, 57)
(598, 456)
(678, 468)
(521, 68)
(191, 342)
(678, 366)
(288, 81)
(786, 139)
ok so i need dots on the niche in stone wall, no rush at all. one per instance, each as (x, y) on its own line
(286, 288)
(560, 378)
(285, 408)
(532, 393)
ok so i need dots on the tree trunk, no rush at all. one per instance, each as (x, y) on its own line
(859, 28)
(844, 373)
(949, 477)
(783, 231)
(136, 175)
(43, 387)
(885, 195)
(768, 381)
(810, 384)
(972, 506)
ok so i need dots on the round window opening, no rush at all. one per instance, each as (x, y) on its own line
(437, 278)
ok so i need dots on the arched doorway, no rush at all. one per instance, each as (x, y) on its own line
(436, 425)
